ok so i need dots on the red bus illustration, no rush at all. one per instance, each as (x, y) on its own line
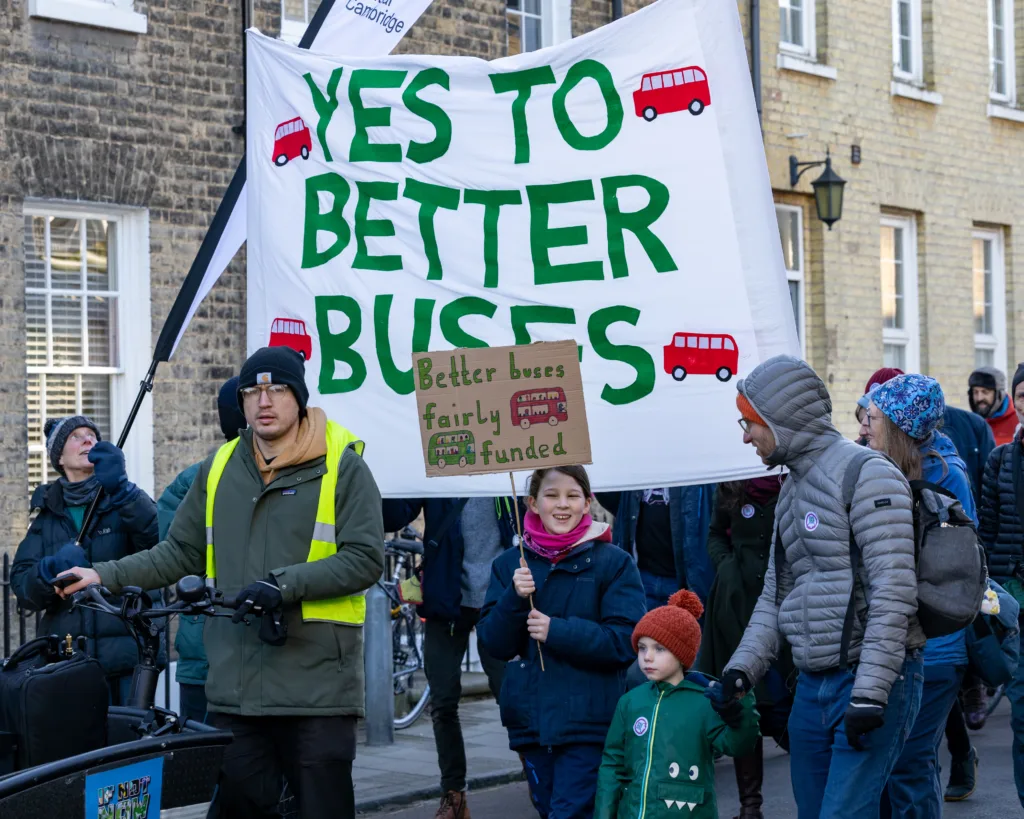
(537, 406)
(681, 89)
(286, 332)
(702, 354)
(291, 139)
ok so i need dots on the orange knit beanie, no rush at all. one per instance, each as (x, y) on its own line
(674, 626)
(747, 410)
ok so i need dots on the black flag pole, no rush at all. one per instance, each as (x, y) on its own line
(183, 307)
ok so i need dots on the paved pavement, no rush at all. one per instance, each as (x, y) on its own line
(995, 797)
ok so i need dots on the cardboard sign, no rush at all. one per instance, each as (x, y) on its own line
(501, 409)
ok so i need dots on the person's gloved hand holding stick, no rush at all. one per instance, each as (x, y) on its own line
(725, 696)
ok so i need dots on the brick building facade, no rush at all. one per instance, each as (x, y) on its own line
(117, 142)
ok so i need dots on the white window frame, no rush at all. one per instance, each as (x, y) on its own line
(809, 49)
(119, 15)
(910, 336)
(134, 314)
(1009, 54)
(555, 21)
(916, 73)
(797, 274)
(996, 341)
(292, 30)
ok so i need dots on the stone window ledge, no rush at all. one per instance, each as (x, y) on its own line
(1005, 112)
(915, 92)
(90, 13)
(791, 62)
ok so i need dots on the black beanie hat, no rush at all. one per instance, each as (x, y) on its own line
(275, 365)
(58, 430)
(231, 418)
(1018, 377)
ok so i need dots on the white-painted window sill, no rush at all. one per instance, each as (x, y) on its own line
(90, 13)
(914, 92)
(1005, 112)
(791, 62)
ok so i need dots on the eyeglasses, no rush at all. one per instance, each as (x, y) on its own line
(275, 391)
(83, 437)
(745, 425)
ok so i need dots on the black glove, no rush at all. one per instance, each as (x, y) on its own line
(736, 683)
(862, 717)
(257, 598)
(729, 708)
(273, 630)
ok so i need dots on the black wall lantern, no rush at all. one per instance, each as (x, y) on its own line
(828, 188)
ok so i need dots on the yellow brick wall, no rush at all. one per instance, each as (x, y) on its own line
(951, 166)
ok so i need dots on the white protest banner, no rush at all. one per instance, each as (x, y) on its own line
(612, 190)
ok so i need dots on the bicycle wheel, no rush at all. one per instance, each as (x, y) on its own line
(409, 675)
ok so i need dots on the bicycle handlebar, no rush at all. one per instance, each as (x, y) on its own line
(133, 605)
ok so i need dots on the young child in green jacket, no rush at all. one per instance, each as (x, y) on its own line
(659, 756)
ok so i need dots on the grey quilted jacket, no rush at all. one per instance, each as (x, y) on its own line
(816, 580)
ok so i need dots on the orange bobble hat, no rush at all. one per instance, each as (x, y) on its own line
(674, 626)
(747, 410)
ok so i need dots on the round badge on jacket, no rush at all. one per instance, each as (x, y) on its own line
(640, 726)
(747, 511)
(811, 521)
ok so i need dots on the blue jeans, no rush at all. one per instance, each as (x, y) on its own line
(1015, 694)
(563, 779)
(915, 789)
(830, 779)
(658, 589)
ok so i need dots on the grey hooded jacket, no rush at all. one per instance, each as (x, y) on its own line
(816, 579)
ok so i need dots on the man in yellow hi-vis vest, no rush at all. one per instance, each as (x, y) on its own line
(287, 518)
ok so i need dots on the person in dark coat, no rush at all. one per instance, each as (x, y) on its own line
(739, 544)
(125, 523)
(974, 442)
(1001, 528)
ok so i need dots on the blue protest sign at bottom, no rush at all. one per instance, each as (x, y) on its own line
(129, 792)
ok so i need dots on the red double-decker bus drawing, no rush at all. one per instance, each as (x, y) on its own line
(539, 406)
(287, 332)
(291, 139)
(664, 92)
(702, 354)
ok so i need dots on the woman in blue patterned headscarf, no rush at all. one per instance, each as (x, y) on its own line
(903, 422)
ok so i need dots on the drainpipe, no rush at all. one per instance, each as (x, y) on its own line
(616, 9)
(755, 53)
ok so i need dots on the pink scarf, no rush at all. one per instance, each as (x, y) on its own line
(553, 546)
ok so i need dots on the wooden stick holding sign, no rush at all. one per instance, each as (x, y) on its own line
(522, 553)
(498, 409)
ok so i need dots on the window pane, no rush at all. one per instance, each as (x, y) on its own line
(679, 77)
(35, 251)
(99, 233)
(892, 278)
(982, 286)
(716, 344)
(905, 35)
(691, 342)
(794, 297)
(61, 397)
(791, 20)
(312, 5)
(36, 473)
(789, 233)
(667, 79)
(294, 12)
(96, 401)
(67, 331)
(65, 254)
(656, 81)
(531, 7)
(984, 358)
(703, 345)
(998, 47)
(894, 355)
(646, 85)
(35, 330)
(102, 332)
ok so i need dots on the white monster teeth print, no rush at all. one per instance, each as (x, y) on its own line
(670, 802)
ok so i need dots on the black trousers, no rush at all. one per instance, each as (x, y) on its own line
(443, 650)
(313, 753)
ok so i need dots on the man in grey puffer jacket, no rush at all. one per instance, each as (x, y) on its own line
(848, 725)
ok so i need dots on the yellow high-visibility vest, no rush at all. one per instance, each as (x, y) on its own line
(349, 610)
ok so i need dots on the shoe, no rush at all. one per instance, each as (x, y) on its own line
(975, 707)
(750, 813)
(963, 777)
(453, 806)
